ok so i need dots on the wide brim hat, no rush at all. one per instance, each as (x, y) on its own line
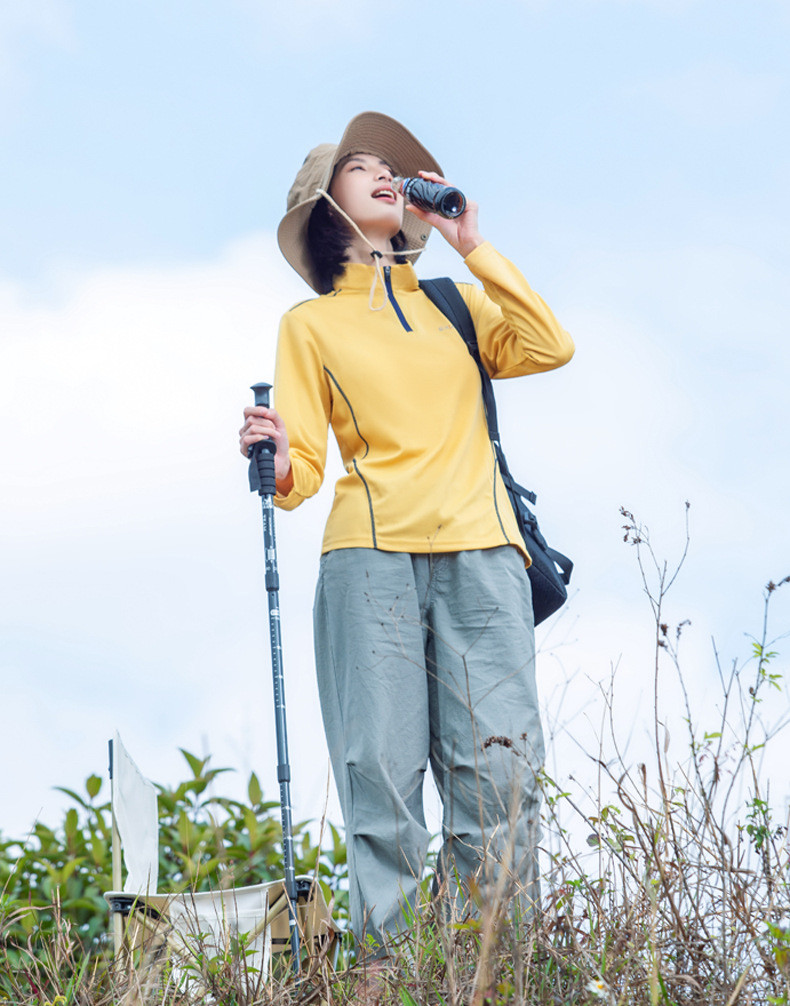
(367, 133)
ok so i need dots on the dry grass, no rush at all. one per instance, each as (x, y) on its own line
(678, 894)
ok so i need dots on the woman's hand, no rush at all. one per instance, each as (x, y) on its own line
(461, 232)
(261, 423)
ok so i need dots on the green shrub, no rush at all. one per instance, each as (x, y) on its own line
(205, 841)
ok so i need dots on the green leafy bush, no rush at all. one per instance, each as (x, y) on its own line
(205, 841)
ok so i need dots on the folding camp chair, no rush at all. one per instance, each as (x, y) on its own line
(243, 926)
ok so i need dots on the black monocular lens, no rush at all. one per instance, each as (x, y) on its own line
(451, 203)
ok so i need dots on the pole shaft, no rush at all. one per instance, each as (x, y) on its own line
(263, 458)
(280, 723)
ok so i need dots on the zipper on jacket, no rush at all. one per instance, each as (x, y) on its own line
(391, 297)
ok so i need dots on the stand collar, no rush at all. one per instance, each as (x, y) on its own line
(357, 278)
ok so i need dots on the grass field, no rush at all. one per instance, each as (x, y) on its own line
(668, 882)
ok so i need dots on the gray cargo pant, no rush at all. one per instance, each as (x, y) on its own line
(422, 658)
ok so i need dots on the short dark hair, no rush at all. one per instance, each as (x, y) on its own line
(328, 238)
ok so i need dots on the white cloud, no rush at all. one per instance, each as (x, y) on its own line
(138, 362)
(676, 393)
(132, 593)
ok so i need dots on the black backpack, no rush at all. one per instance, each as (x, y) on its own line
(550, 572)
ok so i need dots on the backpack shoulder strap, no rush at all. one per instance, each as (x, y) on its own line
(447, 297)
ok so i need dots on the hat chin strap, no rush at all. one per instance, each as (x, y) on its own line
(376, 255)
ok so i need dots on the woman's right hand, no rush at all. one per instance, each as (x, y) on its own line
(461, 232)
(261, 423)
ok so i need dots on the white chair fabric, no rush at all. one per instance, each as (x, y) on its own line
(135, 808)
(202, 922)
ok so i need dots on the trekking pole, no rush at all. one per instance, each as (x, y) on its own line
(262, 479)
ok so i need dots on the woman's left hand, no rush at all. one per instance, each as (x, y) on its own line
(461, 232)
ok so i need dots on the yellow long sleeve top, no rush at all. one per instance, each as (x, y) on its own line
(402, 395)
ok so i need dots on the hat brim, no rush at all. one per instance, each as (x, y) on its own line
(369, 133)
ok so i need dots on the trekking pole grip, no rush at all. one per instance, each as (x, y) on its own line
(262, 477)
(261, 392)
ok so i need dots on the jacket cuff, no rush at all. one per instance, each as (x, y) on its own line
(478, 257)
(289, 502)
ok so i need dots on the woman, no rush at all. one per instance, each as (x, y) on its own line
(423, 618)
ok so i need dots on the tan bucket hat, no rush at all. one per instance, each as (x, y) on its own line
(367, 133)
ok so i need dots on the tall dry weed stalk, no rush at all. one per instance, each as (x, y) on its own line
(688, 898)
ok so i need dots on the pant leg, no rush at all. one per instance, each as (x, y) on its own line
(481, 664)
(374, 699)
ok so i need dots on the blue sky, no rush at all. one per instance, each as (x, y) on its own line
(631, 157)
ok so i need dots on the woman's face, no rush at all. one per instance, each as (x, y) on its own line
(361, 187)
